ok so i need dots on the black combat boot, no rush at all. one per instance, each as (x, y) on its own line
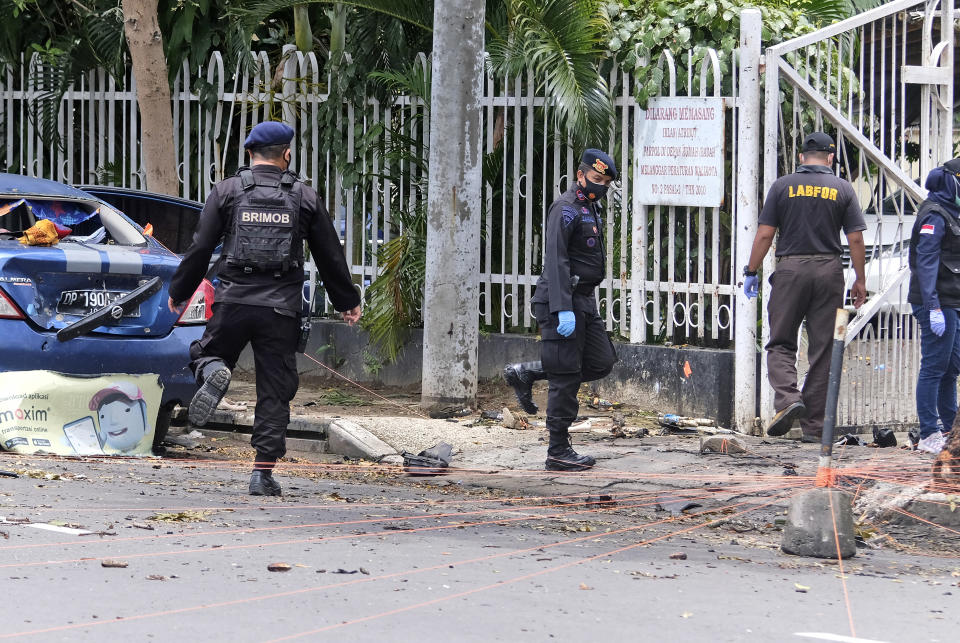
(562, 457)
(216, 381)
(263, 484)
(521, 377)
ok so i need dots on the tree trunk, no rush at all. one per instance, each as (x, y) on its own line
(153, 95)
(303, 36)
(451, 290)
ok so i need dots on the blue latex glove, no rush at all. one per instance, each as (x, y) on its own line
(751, 286)
(937, 323)
(568, 322)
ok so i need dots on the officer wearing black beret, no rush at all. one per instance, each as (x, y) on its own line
(263, 215)
(574, 345)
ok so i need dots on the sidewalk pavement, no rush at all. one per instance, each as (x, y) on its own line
(634, 456)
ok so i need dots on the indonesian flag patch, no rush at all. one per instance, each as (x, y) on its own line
(926, 228)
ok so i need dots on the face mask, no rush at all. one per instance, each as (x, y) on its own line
(594, 191)
(956, 191)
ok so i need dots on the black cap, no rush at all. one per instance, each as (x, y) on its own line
(819, 142)
(269, 133)
(600, 162)
(953, 167)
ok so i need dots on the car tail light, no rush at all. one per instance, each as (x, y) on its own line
(8, 309)
(200, 307)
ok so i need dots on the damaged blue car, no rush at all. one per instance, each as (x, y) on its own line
(95, 302)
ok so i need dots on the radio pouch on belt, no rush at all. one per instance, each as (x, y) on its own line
(305, 324)
(264, 235)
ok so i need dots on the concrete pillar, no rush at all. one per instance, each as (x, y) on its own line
(820, 525)
(747, 211)
(771, 127)
(451, 289)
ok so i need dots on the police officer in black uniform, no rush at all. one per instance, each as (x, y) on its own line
(574, 345)
(809, 208)
(263, 214)
(935, 297)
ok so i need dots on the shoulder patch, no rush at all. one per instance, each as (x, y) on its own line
(927, 228)
(569, 214)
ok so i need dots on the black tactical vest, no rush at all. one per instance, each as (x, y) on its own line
(585, 248)
(948, 274)
(264, 234)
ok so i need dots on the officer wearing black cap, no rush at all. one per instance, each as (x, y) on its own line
(574, 345)
(808, 208)
(935, 298)
(263, 214)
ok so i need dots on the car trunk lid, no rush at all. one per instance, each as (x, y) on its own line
(56, 287)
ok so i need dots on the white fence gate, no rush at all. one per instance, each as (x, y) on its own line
(882, 82)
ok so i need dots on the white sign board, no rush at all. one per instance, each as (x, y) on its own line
(679, 152)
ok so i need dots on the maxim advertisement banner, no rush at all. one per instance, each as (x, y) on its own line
(43, 411)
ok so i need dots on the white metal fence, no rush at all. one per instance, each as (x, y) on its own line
(669, 266)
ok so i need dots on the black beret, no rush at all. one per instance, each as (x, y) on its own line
(269, 133)
(819, 142)
(600, 162)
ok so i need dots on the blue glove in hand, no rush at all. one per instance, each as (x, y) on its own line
(568, 322)
(937, 323)
(751, 286)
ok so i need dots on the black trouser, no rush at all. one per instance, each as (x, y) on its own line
(804, 287)
(274, 338)
(584, 356)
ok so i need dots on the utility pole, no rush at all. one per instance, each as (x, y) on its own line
(451, 289)
(748, 209)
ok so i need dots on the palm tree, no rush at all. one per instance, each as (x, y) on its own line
(561, 41)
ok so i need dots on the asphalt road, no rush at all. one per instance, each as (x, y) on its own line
(377, 558)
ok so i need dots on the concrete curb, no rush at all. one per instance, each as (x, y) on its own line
(340, 436)
(352, 440)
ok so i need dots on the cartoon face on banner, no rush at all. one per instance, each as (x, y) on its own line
(121, 417)
(42, 411)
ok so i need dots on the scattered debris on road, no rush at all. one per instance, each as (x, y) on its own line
(182, 516)
(279, 567)
(114, 564)
(511, 421)
(718, 444)
(429, 462)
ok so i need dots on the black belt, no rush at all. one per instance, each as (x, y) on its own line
(824, 255)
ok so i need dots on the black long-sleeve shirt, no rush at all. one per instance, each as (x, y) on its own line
(263, 288)
(573, 246)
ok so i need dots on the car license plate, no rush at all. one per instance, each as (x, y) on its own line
(84, 302)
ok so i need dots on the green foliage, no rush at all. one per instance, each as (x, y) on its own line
(192, 29)
(416, 12)
(395, 298)
(562, 42)
(644, 29)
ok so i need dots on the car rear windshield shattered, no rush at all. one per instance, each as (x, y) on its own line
(87, 222)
